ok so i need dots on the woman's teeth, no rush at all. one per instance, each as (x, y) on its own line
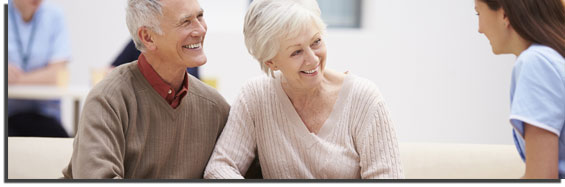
(311, 71)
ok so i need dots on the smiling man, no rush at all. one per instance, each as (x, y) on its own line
(150, 118)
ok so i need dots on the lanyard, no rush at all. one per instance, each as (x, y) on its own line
(27, 54)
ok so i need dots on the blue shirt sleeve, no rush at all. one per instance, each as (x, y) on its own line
(538, 97)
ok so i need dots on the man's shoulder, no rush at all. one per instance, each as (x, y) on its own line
(119, 80)
(205, 92)
(51, 11)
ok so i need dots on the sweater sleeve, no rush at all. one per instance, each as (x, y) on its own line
(99, 145)
(235, 150)
(377, 146)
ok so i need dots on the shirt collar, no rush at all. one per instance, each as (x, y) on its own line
(163, 89)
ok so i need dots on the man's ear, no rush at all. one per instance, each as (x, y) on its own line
(146, 36)
(271, 65)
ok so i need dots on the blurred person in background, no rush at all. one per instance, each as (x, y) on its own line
(38, 49)
(534, 31)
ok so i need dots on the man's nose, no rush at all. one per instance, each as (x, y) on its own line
(199, 30)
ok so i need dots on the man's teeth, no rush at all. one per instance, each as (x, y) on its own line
(192, 46)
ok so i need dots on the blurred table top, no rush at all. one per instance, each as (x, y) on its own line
(47, 92)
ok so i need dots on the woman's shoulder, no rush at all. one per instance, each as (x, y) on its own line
(541, 54)
(362, 88)
(539, 58)
(259, 83)
(256, 88)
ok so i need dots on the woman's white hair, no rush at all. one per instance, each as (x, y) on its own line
(268, 22)
(143, 13)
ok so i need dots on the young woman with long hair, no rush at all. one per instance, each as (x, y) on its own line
(534, 31)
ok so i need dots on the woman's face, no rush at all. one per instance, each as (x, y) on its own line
(494, 25)
(302, 59)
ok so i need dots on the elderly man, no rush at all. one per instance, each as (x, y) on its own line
(149, 118)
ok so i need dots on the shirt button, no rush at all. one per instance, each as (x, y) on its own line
(170, 91)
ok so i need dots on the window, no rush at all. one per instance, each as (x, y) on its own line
(341, 13)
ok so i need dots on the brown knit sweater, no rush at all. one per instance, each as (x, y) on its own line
(127, 130)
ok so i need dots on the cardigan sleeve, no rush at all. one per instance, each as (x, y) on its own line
(377, 146)
(235, 150)
(99, 146)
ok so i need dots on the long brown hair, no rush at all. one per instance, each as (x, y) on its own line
(538, 21)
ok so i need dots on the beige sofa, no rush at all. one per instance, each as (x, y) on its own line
(45, 158)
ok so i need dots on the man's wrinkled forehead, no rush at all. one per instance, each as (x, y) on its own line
(181, 9)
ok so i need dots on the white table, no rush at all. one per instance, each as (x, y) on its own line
(71, 98)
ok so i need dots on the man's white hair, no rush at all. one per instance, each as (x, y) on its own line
(143, 13)
(268, 22)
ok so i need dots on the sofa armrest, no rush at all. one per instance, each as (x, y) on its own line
(460, 161)
(38, 158)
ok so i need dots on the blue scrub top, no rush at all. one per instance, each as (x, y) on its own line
(50, 42)
(537, 96)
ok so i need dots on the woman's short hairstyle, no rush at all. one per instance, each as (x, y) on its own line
(268, 22)
(143, 13)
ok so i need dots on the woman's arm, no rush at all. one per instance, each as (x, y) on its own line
(377, 146)
(541, 153)
(236, 147)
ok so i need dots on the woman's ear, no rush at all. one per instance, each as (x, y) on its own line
(272, 65)
(146, 36)
(505, 19)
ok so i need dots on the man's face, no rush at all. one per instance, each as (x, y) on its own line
(183, 31)
(28, 5)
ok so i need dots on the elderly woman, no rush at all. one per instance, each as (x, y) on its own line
(306, 121)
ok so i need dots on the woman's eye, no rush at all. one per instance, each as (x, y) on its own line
(296, 53)
(317, 42)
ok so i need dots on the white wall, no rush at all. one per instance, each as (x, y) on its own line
(438, 75)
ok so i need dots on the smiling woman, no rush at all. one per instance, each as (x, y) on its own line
(534, 31)
(303, 121)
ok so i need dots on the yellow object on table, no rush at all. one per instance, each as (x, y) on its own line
(211, 81)
(62, 78)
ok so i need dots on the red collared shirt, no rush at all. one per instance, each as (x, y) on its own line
(162, 88)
